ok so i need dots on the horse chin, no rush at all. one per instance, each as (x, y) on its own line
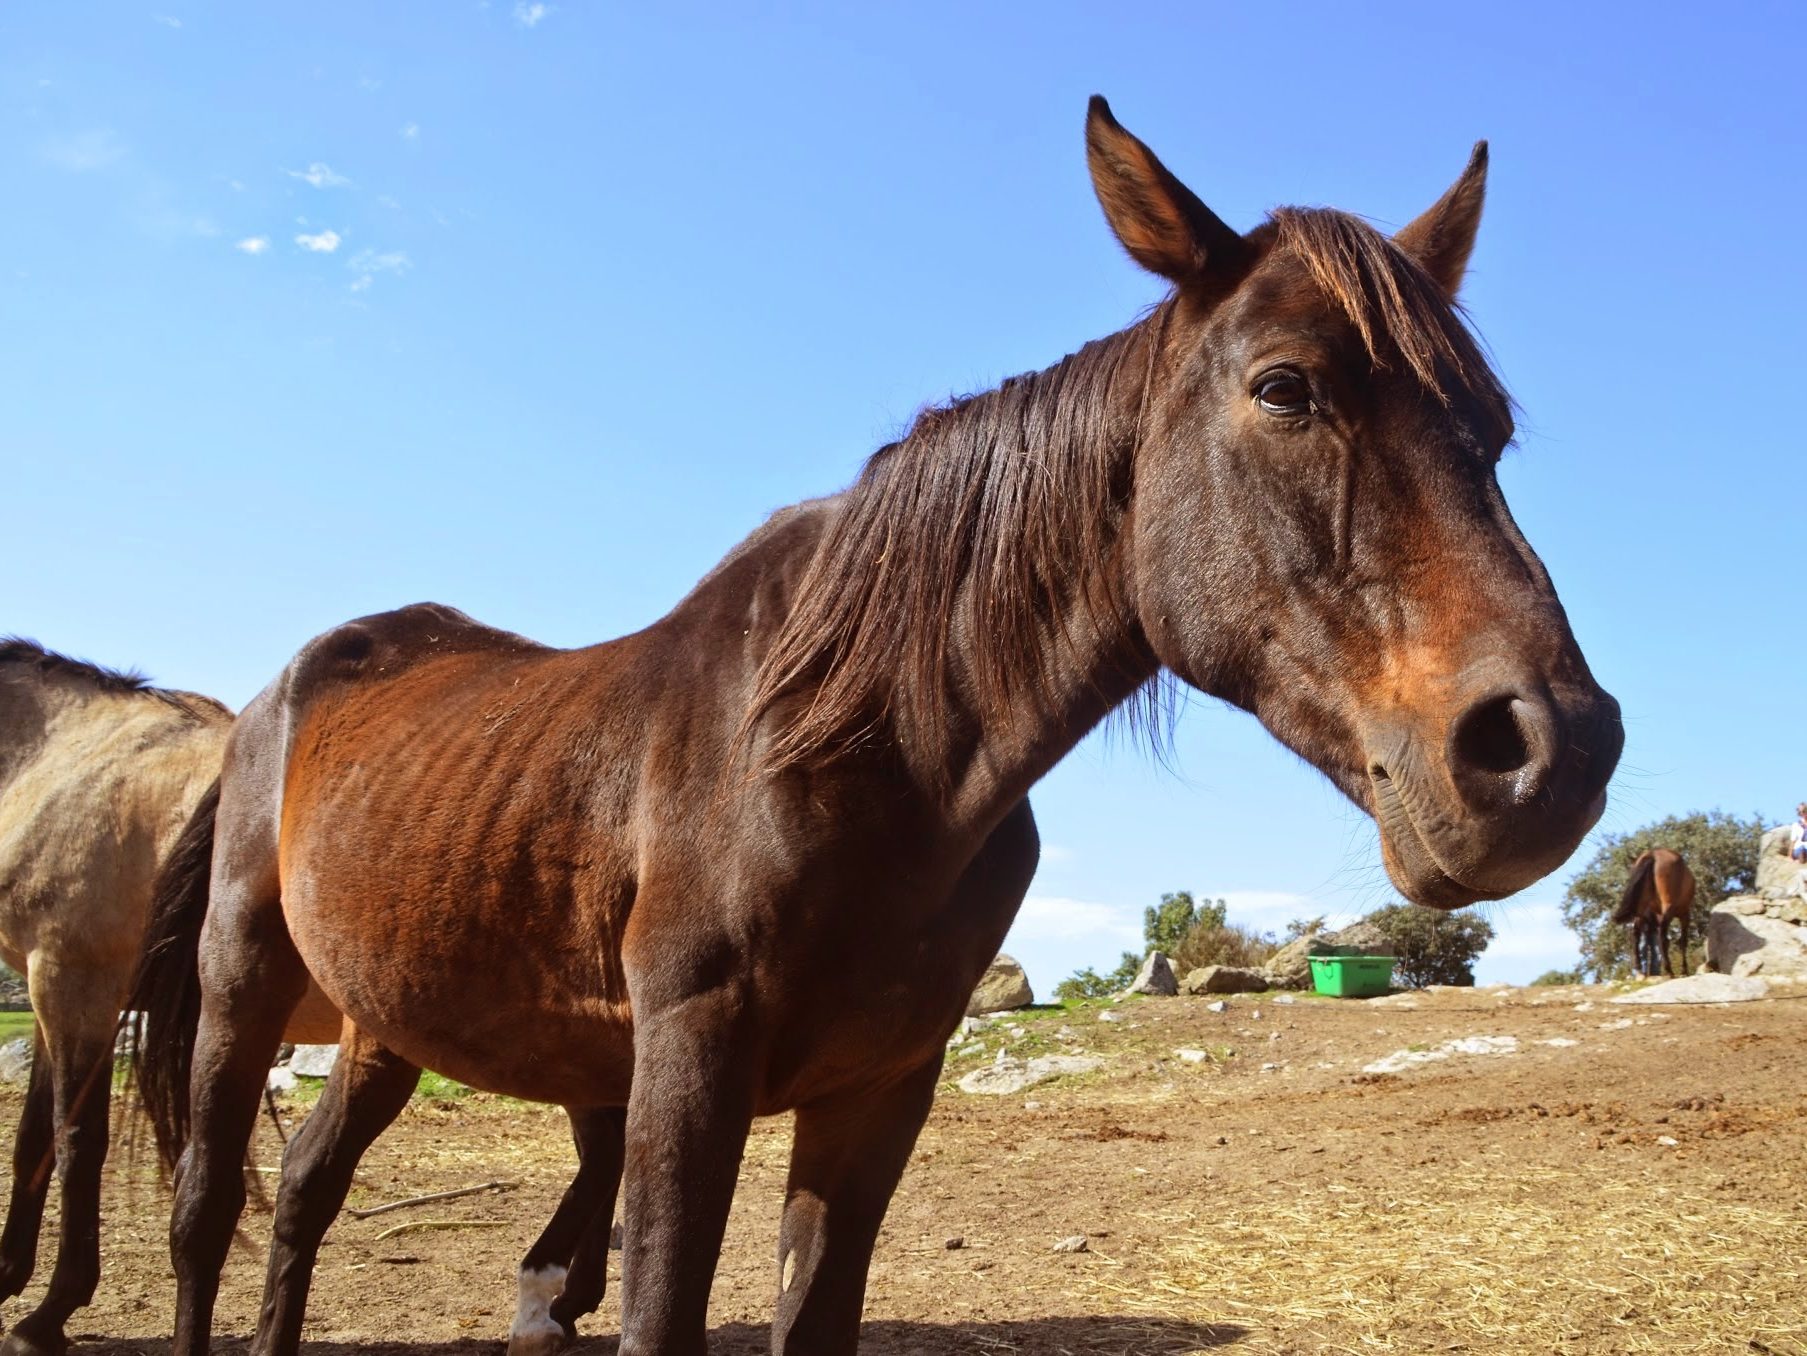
(1412, 865)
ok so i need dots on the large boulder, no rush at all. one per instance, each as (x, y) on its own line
(1225, 979)
(1003, 987)
(313, 1061)
(1779, 876)
(1740, 942)
(1702, 988)
(1155, 977)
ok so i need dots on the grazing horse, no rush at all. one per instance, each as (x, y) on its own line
(753, 858)
(1659, 891)
(98, 772)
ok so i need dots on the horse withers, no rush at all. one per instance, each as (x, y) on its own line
(1659, 891)
(752, 858)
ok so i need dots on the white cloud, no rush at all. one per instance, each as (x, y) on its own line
(389, 202)
(1052, 916)
(323, 243)
(167, 20)
(361, 284)
(411, 132)
(528, 14)
(368, 262)
(320, 176)
(1266, 910)
(253, 244)
(1053, 854)
(83, 152)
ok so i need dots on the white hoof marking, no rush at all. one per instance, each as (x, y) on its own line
(534, 1332)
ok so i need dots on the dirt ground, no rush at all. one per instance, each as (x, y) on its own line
(1626, 1179)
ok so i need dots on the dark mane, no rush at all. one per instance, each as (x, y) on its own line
(972, 521)
(1400, 313)
(118, 682)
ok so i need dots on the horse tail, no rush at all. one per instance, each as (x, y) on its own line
(1641, 872)
(165, 1007)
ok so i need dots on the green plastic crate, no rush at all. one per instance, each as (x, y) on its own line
(1352, 976)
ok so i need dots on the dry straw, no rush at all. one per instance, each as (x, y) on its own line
(1525, 1261)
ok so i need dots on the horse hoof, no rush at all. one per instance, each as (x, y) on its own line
(538, 1339)
(18, 1342)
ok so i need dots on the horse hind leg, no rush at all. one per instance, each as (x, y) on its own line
(33, 1157)
(366, 1091)
(77, 1036)
(564, 1273)
(252, 978)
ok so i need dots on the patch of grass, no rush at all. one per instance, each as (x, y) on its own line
(438, 1086)
(16, 1026)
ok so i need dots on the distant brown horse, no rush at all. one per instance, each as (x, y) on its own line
(1659, 891)
(753, 858)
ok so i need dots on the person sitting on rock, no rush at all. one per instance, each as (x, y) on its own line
(1799, 851)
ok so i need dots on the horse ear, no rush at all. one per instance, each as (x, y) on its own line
(1160, 221)
(1443, 237)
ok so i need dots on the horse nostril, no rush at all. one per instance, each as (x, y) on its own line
(1491, 737)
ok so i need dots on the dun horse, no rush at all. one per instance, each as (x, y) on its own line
(1659, 891)
(753, 858)
(98, 773)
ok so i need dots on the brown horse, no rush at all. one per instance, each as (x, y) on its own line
(753, 858)
(1659, 891)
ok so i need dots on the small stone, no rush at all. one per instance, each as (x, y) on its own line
(1218, 1006)
(1192, 1056)
(955, 1243)
(1270, 1068)
(1667, 1141)
(1076, 1243)
(15, 1061)
(1108, 1016)
(1032, 1106)
(280, 1079)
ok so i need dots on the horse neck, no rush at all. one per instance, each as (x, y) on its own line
(1089, 659)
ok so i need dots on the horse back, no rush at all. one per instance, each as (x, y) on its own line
(90, 800)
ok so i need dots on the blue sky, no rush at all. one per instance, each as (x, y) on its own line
(537, 309)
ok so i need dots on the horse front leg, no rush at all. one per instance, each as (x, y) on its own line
(565, 1272)
(846, 1159)
(687, 1122)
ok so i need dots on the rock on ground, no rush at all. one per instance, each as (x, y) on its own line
(1003, 987)
(313, 1061)
(1225, 979)
(1155, 977)
(1401, 1060)
(1700, 989)
(15, 1061)
(1010, 1074)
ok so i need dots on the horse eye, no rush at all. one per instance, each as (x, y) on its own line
(1284, 393)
